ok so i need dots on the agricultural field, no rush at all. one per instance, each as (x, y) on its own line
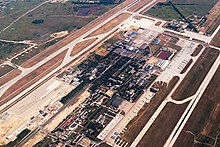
(186, 7)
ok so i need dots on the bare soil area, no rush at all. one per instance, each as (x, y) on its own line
(187, 66)
(216, 40)
(110, 25)
(9, 76)
(32, 78)
(4, 69)
(162, 127)
(197, 50)
(205, 119)
(82, 45)
(137, 124)
(213, 19)
(196, 75)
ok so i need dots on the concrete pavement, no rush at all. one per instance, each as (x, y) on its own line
(186, 115)
(3, 88)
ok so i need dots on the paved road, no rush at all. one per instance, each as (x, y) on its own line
(34, 132)
(65, 61)
(186, 33)
(194, 100)
(68, 59)
(186, 115)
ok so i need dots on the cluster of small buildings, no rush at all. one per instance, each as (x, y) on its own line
(193, 23)
(85, 123)
(72, 78)
(120, 76)
(176, 25)
(40, 118)
(164, 55)
(4, 4)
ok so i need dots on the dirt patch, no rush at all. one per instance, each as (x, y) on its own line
(197, 50)
(32, 77)
(163, 125)
(173, 40)
(173, 46)
(139, 5)
(82, 45)
(158, 23)
(4, 69)
(143, 3)
(9, 76)
(164, 41)
(215, 41)
(213, 19)
(195, 76)
(187, 66)
(110, 25)
(101, 51)
(154, 48)
(137, 124)
(205, 119)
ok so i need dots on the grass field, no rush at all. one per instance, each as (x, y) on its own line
(14, 10)
(39, 24)
(56, 17)
(5, 69)
(9, 49)
(186, 7)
